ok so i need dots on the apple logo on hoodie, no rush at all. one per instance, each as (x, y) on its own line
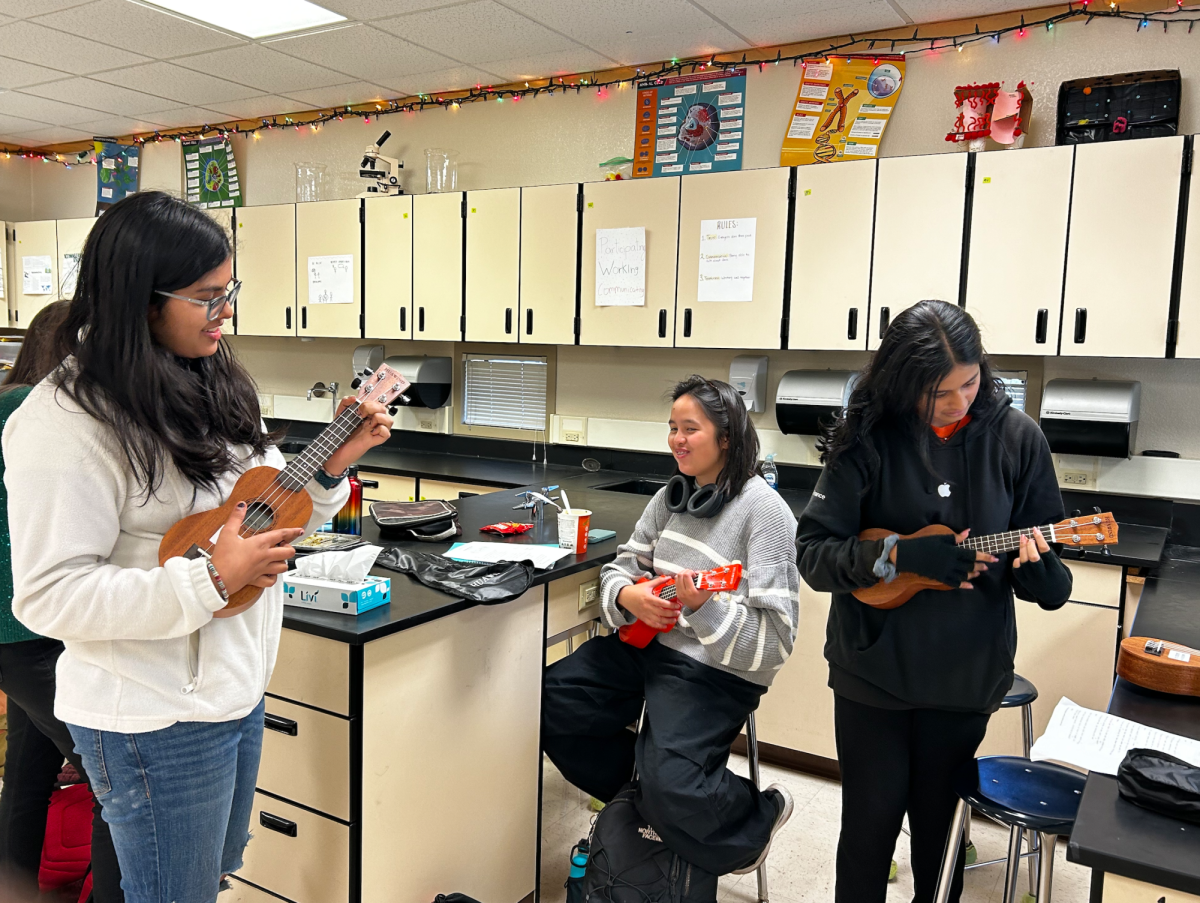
(944, 490)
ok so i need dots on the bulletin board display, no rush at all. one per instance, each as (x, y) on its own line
(116, 172)
(211, 174)
(690, 123)
(842, 106)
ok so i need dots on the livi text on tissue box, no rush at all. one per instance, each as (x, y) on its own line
(333, 595)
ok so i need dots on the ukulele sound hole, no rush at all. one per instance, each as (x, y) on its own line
(259, 517)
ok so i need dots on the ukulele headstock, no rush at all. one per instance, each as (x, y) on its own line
(383, 385)
(720, 579)
(1087, 530)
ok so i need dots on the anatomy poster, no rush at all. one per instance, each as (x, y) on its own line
(842, 108)
(690, 123)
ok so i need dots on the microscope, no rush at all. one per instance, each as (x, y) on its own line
(383, 171)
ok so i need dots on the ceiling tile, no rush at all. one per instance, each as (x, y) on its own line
(561, 62)
(364, 53)
(633, 31)
(941, 10)
(257, 107)
(456, 79)
(343, 95)
(54, 135)
(27, 9)
(118, 125)
(183, 117)
(15, 125)
(102, 97)
(141, 29)
(377, 9)
(772, 22)
(476, 33)
(43, 111)
(177, 83)
(263, 68)
(15, 74)
(43, 46)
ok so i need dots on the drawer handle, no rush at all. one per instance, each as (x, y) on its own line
(852, 324)
(529, 321)
(1043, 320)
(687, 322)
(287, 317)
(275, 823)
(662, 324)
(304, 318)
(369, 484)
(420, 319)
(404, 319)
(284, 725)
(885, 317)
(508, 321)
(1080, 325)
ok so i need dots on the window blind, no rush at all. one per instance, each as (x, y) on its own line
(1014, 382)
(506, 392)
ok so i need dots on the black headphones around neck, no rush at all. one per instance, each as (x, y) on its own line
(683, 499)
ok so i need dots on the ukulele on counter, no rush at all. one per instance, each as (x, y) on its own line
(276, 499)
(1091, 530)
(717, 580)
(1160, 665)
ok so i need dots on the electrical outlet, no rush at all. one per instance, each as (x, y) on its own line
(571, 436)
(427, 424)
(1076, 478)
(589, 594)
(267, 404)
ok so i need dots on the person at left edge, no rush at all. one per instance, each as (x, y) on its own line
(150, 419)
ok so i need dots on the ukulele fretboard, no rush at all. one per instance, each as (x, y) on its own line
(1005, 542)
(302, 467)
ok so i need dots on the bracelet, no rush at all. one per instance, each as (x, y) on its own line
(326, 480)
(216, 578)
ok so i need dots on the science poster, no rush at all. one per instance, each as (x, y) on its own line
(116, 172)
(842, 108)
(210, 173)
(690, 123)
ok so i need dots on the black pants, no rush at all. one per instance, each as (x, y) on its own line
(894, 762)
(703, 812)
(37, 744)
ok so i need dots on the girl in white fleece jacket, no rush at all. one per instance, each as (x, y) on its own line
(149, 420)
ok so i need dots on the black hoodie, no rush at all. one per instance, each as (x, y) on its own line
(943, 649)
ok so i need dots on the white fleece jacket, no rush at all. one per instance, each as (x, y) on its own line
(142, 648)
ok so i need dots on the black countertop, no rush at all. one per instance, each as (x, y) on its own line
(1137, 546)
(1112, 835)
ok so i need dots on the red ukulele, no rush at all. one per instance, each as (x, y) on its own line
(717, 580)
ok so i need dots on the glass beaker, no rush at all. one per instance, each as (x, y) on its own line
(441, 170)
(311, 182)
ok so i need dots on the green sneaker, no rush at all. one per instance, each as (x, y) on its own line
(972, 854)
(595, 805)
(893, 871)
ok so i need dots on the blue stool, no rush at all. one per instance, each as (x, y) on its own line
(1027, 796)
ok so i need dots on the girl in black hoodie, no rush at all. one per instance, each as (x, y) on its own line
(927, 438)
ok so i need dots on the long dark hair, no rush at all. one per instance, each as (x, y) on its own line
(724, 407)
(160, 407)
(41, 348)
(898, 385)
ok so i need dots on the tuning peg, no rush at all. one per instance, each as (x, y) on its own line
(1106, 553)
(1095, 511)
(1076, 513)
(355, 383)
(392, 410)
(367, 371)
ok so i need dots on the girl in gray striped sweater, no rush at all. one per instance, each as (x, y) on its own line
(702, 678)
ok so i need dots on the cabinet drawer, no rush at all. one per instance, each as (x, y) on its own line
(391, 488)
(312, 670)
(441, 489)
(1099, 584)
(297, 854)
(564, 612)
(306, 757)
(1118, 889)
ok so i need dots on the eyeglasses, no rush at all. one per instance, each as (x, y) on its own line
(213, 305)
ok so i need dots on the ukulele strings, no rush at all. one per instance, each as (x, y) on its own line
(1006, 542)
(1178, 647)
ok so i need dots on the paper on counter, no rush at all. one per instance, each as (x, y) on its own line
(331, 279)
(1098, 741)
(492, 552)
(621, 267)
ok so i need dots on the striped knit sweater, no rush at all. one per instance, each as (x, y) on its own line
(748, 632)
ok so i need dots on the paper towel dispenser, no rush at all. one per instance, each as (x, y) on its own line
(807, 397)
(430, 378)
(1091, 416)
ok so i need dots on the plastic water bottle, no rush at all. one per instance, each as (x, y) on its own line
(770, 472)
(579, 861)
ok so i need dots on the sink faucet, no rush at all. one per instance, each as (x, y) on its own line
(537, 501)
(319, 389)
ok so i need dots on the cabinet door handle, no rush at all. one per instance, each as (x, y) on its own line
(1043, 321)
(420, 319)
(275, 823)
(369, 484)
(283, 725)
(852, 324)
(1080, 325)
(885, 317)
(529, 321)
(287, 317)
(687, 322)
(508, 321)
(404, 319)
(304, 318)
(662, 324)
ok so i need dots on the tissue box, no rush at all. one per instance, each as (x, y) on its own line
(333, 595)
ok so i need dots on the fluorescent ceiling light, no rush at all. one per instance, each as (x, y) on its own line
(253, 18)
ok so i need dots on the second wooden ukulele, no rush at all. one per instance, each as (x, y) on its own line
(276, 499)
(1160, 665)
(1092, 530)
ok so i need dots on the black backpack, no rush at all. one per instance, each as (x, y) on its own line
(629, 863)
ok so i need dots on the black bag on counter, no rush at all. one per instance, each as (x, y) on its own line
(490, 584)
(454, 898)
(1161, 783)
(428, 521)
(629, 863)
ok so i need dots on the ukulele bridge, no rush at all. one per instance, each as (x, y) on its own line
(1155, 647)
(195, 552)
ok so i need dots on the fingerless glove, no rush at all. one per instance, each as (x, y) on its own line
(1048, 580)
(936, 557)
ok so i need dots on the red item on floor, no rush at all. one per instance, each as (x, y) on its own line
(67, 851)
(506, 529)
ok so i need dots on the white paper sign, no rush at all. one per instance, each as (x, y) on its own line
(726, 260)
(38, 275)
(331, 279)
(1098, 741)
(71, 276)
(621, 267)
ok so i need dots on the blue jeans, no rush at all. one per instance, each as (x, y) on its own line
(178, 802)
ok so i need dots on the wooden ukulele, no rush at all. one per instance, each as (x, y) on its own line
(1160, 665)
(1092, 530)
(719, 579)
(276, 499)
